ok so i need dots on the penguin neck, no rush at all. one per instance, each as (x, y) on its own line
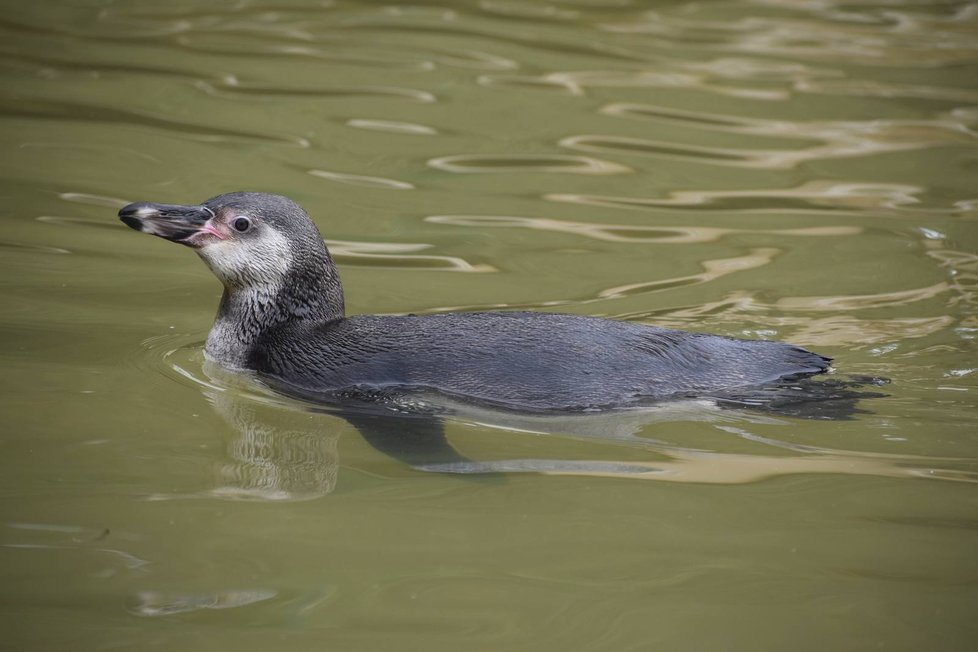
(246, 314)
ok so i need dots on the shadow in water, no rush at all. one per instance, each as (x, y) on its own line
(286, 450)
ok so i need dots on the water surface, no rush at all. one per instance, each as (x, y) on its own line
(766, 169)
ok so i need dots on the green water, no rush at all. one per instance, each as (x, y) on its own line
(775, 169)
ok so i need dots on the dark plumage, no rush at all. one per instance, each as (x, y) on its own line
(282, 316)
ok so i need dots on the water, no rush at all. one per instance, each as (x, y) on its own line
(799, 171)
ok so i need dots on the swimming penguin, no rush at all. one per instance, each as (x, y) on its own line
(282, 316)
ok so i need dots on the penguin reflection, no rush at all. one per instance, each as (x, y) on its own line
(278, 452)
(287, 451)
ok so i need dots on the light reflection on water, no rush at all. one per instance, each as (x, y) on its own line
(773, 169)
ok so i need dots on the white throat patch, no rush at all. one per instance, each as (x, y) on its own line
(249, 262)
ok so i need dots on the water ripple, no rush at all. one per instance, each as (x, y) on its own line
(626, 145)
(812, 196)
(61, 537)
(360, 180)
(835, 139)
(589, 48)
(48, 62)
(713, 269)
(400, 255)
(472, 163)
(955, 128)
(93, 200)
(873, 88)
(470, 59)
(738, 78)
(845, 303)
(155, 604)
(632, 233)
(524, 11)
(231, 87)
(392, 126)
(893, 38)
(725, 468)
(576, 82)
(32, 248)
(113, 151)
(57, 110)
(850, 331)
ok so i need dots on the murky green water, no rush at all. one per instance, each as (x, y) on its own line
(800, 171)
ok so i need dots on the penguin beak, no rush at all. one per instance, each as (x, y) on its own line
(171, 221)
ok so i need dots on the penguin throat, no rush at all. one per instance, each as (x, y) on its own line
(243, 316)
(247, 313)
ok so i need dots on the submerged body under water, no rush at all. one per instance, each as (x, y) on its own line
(286, 449)
(409, 424)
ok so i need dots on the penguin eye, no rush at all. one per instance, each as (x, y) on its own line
(241, 224)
